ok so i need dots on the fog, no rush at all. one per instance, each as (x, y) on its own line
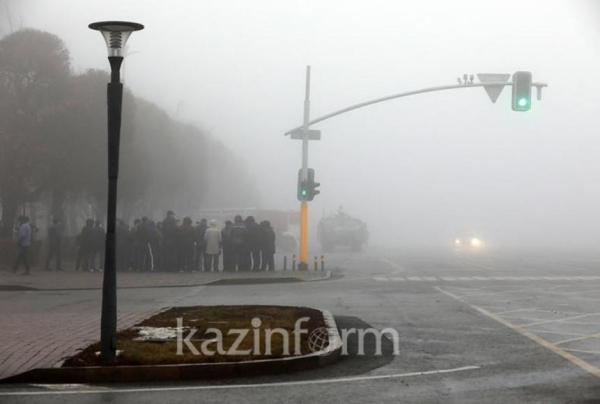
(418, 170)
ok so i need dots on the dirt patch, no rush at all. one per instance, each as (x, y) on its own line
(158, 339)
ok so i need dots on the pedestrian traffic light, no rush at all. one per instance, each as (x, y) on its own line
(312, 185)
(521, 91)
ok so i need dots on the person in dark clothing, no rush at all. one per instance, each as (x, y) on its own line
(54, 242)
(170, 230)
(267, 246)
(23, 236)
(200, 231)
(238, 237)
(186, 244)
(228, 262)
(85, 242)
(124, 245)
(97, 252)
(253, 242)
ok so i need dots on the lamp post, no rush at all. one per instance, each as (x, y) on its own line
(115, 34)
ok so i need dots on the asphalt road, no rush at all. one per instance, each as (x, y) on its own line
(493, 327)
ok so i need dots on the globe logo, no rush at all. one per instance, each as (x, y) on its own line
(318, 339)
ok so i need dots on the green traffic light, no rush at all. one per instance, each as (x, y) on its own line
(523, 102)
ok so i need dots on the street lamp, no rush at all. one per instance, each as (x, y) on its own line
(115, 34)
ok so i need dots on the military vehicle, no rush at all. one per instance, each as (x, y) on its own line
(341, 229)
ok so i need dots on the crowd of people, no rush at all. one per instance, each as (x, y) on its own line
(169, 245)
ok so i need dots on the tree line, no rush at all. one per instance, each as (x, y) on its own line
(53, 143)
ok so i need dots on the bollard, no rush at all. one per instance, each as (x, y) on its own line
(294, 262)
(316, 263)
(322, 263)
(285, 262)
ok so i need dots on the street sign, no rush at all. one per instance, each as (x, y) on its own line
(313, 134)
(493, 91)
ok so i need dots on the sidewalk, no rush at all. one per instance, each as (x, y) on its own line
(61, 280)
(37, 340)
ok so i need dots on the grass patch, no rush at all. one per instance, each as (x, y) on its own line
(161, 346)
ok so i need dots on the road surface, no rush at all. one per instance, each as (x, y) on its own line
(497, 327)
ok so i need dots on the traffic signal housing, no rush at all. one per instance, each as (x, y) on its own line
(307, 189)
(302, 187)
(312, 185)
(521, 91)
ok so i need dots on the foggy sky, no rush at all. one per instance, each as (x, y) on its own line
(417, 169)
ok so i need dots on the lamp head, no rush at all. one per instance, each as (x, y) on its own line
(115, 34)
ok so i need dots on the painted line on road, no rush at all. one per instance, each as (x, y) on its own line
(392, 264)
(563, 320)
(241, 386)
(559, 351)
(486, 278)
(515, 311)
(479, 266)
(596, 335)
(583, 351)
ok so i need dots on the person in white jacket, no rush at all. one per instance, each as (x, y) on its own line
(212, 239)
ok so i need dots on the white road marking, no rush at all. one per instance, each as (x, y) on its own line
(488, 278)
(582, 351)
(479, 266)
(559, 351)
(578, 338)
(243, 386)
(562, 320)
(394, 265)
(514, 311)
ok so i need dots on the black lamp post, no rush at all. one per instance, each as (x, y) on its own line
(115, 34)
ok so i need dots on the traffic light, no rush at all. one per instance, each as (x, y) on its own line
(521, 91)
(312, 185)
(307, 189)
(302, 187)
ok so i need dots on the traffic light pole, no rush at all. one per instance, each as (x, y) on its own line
(305, 136)
(303, 264)
(406, 94)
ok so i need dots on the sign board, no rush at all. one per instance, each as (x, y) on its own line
(493, 91)
(313, 134)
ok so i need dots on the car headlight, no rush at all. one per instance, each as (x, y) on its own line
(457, 242)
(475, 242)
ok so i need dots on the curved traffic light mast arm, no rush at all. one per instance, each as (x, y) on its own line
(408, 93)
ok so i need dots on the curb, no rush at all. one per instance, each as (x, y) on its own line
(153, 373)
(300, 279)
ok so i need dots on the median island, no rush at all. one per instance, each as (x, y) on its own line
(215, 334)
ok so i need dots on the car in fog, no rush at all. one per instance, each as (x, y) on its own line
(468, 243)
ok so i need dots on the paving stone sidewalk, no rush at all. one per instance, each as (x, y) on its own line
(37, 340)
